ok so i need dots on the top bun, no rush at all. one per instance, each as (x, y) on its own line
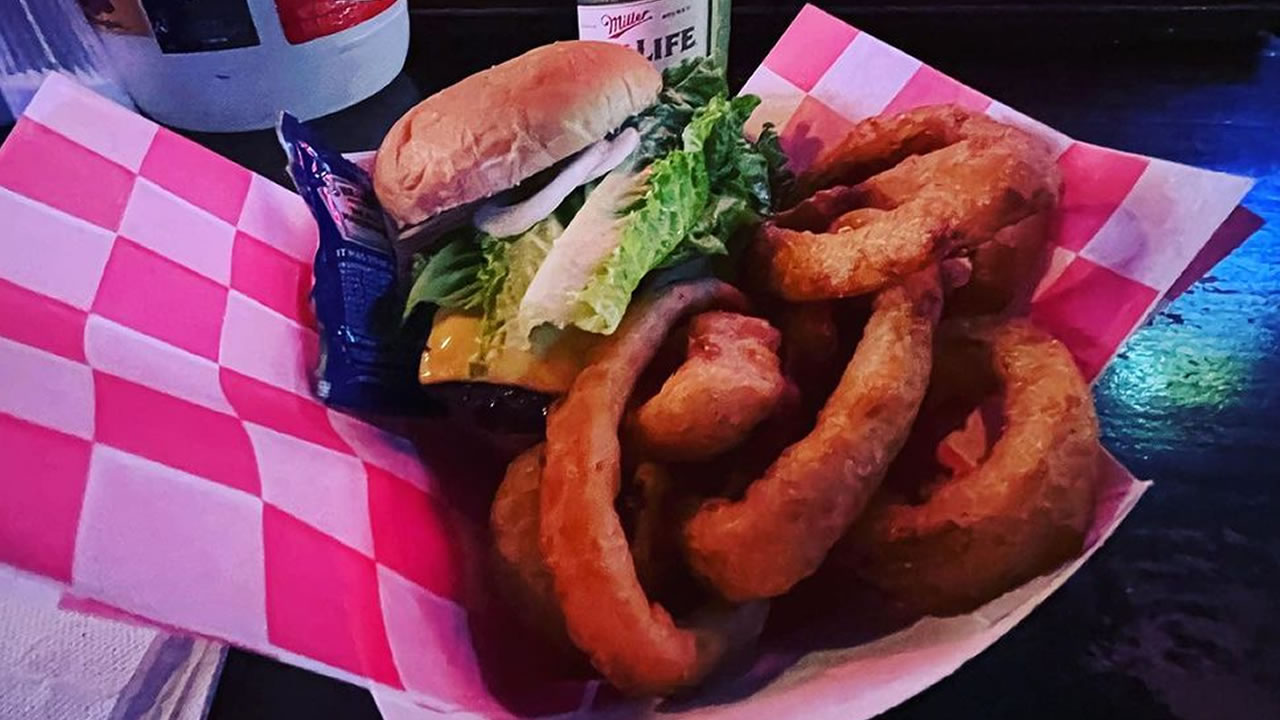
(493, 129)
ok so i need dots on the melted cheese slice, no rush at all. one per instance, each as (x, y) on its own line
(545, 367)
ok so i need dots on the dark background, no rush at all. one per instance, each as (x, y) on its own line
(1177, 616)
(1007, 49)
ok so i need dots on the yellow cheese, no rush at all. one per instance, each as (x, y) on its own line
(450, 356)
(454, 339)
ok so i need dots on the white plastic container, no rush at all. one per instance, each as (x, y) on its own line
(230, 65)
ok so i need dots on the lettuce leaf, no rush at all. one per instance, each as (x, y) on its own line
(593, 234)
(745, 178)
(678, 208)
(722, 217)
(686, 88)
(742, 178)
(473, 270)
(672, 200)
(519, 259)
(781, 179)
(450, 277)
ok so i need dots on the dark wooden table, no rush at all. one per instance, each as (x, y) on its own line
(1177, 616)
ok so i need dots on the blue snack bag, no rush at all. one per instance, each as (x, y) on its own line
(368, 358)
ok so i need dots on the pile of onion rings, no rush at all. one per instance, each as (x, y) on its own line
(826, 425)
(781, 529)
(1025, 506)
(902, 193)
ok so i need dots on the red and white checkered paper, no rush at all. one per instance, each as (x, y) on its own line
(164, 459)
(162, 454)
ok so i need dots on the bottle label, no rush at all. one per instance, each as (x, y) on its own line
(665, 31)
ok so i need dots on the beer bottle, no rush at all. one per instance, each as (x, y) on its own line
(665, 31)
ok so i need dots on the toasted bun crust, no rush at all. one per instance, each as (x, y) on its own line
(495, 128)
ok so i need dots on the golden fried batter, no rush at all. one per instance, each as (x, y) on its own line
(731, 380)
(520, 571)
(935, 201)
(881, 142)
(780, 531)
(1023, 511)
(634, 643)
(946, 181)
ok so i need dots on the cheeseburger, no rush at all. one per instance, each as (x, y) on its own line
(537, 196)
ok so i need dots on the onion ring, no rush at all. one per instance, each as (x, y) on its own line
(881, 142)
(810, 349)
(781, 530)
(730, 381)
(520, 571)
(1006, 271)
(635, 644)
(652, 547)
(916, 210)
(1023, 511)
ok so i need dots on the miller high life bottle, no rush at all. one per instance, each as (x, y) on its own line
(665, 31)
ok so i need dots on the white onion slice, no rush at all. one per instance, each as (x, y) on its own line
(598, 159)
(620, 147)
(585, 243)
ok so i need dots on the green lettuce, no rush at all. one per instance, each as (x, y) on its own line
(743, 177)
(695, 197)
(781, 179)
(476, 271)
(450, 277)
(686, 88)
(673, 198)
(708, 238)
(520, 259)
